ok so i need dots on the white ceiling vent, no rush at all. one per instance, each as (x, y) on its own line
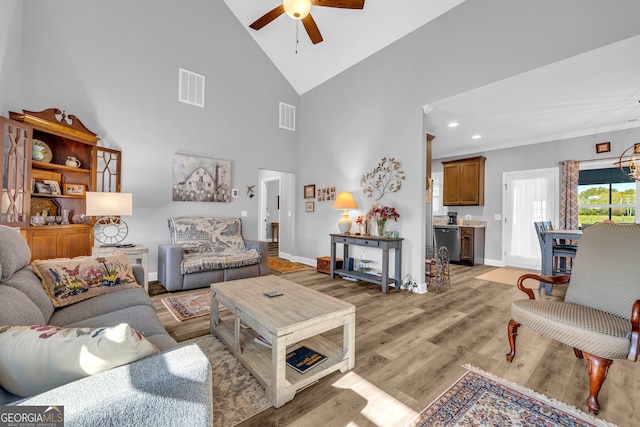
(287, 116)
(191, 88)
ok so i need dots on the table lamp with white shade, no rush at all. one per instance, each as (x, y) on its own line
(109, 230)
(345, 202)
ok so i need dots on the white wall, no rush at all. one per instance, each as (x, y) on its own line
(10, 53)
(115, 63)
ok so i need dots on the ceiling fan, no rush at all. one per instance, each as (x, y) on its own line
(300, 10)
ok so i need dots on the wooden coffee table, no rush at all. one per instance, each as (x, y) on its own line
(296, 318)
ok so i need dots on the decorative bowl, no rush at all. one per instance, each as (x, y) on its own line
(79, 218)
(37, 220)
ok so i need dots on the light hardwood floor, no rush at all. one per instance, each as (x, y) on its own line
(410, 348)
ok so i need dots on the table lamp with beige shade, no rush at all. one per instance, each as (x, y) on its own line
(110, 229)
(345, 201)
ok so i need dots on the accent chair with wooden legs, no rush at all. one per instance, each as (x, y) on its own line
(600, 314)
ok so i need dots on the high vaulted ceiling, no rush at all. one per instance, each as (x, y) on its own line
(349, 35)
(592, 92)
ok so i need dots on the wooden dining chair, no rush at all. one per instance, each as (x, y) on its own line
(561, 251)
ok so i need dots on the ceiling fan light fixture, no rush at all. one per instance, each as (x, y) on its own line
(297, 9)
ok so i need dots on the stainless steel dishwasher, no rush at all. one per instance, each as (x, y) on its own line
(448, 237)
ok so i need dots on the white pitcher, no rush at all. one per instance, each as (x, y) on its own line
(72, 162)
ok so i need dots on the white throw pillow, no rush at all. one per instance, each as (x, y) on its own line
(34, 359)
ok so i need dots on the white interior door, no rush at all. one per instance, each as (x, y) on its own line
(528, 196)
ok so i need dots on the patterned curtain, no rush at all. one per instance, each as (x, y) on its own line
(569, 196)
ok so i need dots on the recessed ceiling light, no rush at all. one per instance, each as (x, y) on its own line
(476, 136)
(453, 124)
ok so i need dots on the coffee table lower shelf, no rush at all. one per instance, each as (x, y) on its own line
(258, 359)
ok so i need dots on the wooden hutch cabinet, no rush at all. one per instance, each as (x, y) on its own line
(463, 183)
(61, 137)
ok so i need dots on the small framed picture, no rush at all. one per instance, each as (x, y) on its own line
(603, 147)
(309, 191)
(636, 148)
(309, 206)
(54, 186)
(43, 188)
(75, 189)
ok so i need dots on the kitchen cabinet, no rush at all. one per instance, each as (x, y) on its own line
(471, 245)
(463, 183)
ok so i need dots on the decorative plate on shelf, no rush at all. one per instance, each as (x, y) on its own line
(48, 155)
(39, 205)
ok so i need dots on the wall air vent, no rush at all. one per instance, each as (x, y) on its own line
(287, 116)
(191, 88)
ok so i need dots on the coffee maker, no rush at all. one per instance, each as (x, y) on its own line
(453, 218)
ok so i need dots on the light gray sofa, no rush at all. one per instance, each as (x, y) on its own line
(171, 388)
(219, 239)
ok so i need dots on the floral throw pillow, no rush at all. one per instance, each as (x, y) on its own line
(34, 359)
(69, 280)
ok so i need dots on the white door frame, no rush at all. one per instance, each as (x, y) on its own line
(262, 231)
(505, 225)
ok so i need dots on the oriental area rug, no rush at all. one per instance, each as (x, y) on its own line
(237, 395)
(189, 306)
(481, 399)
(283, 266)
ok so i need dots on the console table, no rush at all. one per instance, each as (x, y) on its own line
(372, 242)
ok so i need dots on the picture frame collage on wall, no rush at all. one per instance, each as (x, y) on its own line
(327, 194)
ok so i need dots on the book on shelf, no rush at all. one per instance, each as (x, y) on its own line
(262, 341)
(303, 358)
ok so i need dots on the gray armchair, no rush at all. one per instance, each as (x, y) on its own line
(600, 314)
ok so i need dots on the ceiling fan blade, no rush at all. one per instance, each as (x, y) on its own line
(267, 17)
(344, 4)
(312, 29)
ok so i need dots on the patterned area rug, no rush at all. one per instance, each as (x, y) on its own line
(283, 266)
(237, 395)
(481, 399)
(189, 306)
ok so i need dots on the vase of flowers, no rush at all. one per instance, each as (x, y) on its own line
(381, 214)
(359, 222)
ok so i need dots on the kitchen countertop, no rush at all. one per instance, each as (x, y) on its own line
(472, 224)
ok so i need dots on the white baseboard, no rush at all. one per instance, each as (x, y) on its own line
(494, 262)
(300, 260)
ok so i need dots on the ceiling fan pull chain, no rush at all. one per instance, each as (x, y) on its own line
(297, 25)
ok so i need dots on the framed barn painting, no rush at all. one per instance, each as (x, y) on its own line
(200, 179)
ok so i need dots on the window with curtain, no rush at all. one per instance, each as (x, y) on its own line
(606, 194)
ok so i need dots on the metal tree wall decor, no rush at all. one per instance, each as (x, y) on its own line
(387, 176)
